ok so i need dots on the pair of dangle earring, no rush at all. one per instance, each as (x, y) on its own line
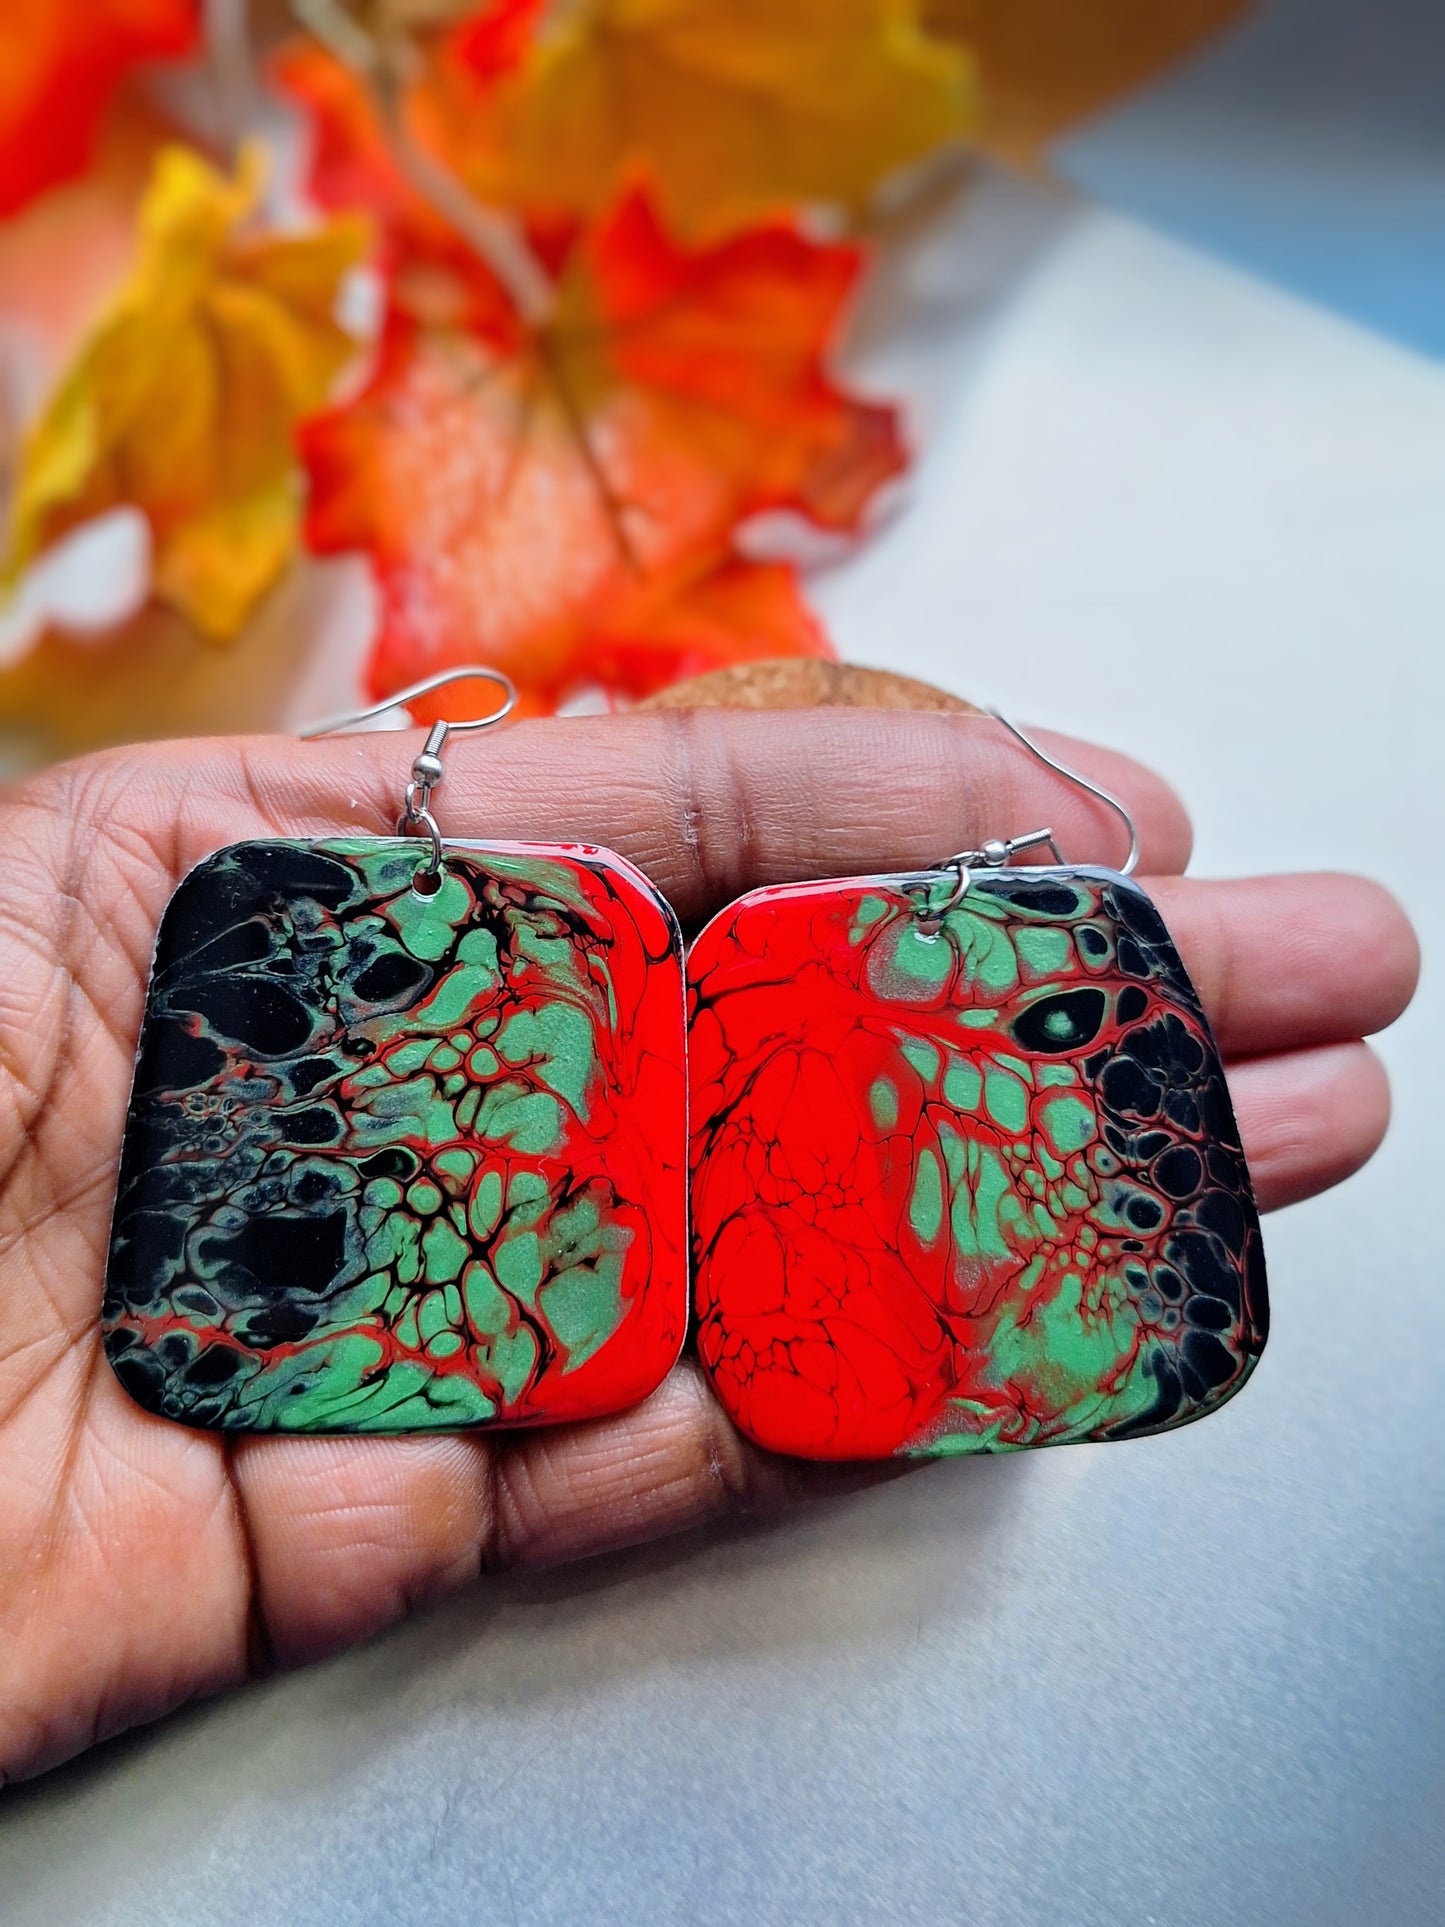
(407, 1149)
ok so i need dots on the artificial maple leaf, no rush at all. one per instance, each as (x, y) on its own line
(184, 401)
(565, 503)
(737, 107)
(496, 40)
(1047, 64)
(59, 66)
(350, 162)
(736, 611)
(352, 159)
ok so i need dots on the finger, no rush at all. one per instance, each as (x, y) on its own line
(347, 1535)
(1309, 1119)
(712, 803)
(1286, 962)
(709, 803)
(673, 1464)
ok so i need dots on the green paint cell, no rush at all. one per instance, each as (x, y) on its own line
(1069, 1122)
(963, 1085)
(1005, 1100)
(1045, 952)
(925, 1058)
(925, 1206)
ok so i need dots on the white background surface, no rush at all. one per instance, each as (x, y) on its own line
(1192, 1680)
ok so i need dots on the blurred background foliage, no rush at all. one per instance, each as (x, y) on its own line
(345, 340)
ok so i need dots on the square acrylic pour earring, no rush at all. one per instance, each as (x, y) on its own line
(406, 1149)
(965, 1173)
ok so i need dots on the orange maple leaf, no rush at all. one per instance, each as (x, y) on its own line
(565, 504)
(59, 66)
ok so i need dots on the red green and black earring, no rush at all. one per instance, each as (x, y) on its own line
(406, 1149)
(965, 1172)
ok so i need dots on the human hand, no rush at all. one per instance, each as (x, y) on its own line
(142, 1564)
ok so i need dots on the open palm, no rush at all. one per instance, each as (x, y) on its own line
(142, 1564)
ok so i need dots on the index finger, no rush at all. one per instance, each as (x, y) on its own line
(710, 803)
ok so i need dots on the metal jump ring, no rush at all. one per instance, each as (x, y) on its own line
(963, 867)
(992, 855)
(415, 817)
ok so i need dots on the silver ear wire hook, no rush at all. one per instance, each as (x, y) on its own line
(1106, 797)
(427, 771)
(997, 851)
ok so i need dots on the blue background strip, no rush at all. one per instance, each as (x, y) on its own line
(1308, 146)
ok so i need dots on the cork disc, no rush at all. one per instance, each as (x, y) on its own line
(804, 683)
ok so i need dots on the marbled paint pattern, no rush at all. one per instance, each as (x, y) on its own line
(398, 1162)
(962, 1185)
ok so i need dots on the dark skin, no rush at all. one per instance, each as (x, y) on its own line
(142, 1565)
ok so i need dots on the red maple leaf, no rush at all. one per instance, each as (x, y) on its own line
(59, 66)
(495, 41)
(565, 503)
(350, 165)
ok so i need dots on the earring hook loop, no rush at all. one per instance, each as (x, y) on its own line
(1106, 797)
(483, 672)
(416, 816)
(999, 851)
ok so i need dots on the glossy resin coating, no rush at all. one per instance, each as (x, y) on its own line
(962, 1185)
(400, 1163)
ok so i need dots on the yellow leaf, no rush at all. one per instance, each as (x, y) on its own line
(737, 107)
(1046, 64)
(184, 400)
